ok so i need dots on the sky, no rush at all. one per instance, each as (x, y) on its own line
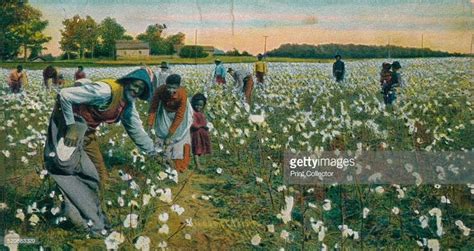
(446, 25)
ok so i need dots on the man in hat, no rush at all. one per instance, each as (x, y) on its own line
(243, 81)
(163, 74)
(260, 69)
(73, 123)
(80, 74)
(17, 79)
(219, 72)
(338, 69)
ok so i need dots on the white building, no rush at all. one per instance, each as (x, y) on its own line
(131, 48)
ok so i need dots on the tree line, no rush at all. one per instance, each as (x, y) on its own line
(22, 34)
(84, 37)
(325, 51)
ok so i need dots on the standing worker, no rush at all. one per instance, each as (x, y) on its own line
(80, 74)
(163, 74)
(17, 79)
(338, 69)
(260, 69)
(219, 72)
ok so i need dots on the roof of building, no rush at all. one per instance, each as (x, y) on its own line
(131, 45)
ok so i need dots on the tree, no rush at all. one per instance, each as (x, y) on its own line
(175, 40)
(236, 52)
(79, 34)
(21, 28)
(192, 51)
(111, 31)
(161, 45)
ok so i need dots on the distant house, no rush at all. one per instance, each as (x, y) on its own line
(131, 48)
(206, 48)
(218, 52)
(42, 58)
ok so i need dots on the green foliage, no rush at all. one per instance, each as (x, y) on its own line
(192, 51)
(160, 45)
(109, 32)
(21, 28)
(353, 51)
(79, 35)
(236, 52)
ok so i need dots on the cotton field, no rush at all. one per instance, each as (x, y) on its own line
(241, 200)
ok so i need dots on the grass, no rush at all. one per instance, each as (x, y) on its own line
(153, 60)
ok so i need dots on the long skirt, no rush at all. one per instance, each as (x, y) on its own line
(180, 148)
(248, 89)
(77, 177)
(220, 80)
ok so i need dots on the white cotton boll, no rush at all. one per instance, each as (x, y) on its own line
(322, 233)
(3, 206)
(365, 213)
(445, 200)
(327, 205)
(465, 230)
(131, 221)
(187, 236)
(285, 235)
(286, 212)
(433, 245)
(281, 188)
(189, 222)
(437, 212)
(259, 180)
(379, 190)
(395, 210)
(163, 217)
(418, 179)
(424, 221)
(121, 201)
(177, 209)
(143, 243)
(164, 229)
(163, 245)
(6, 153)
(256, 240)
(166, 195)
(219, 170)
(55, 210)
(324, 247)
(113, 241)
(34, 219)
(271, 228)
(146, 199)
(20, 215)
(317, 227)
(134, 186)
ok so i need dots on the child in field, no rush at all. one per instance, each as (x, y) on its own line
(200, 141)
